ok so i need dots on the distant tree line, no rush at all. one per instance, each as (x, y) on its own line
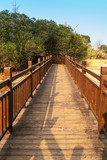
(99, 53)
(23, 38)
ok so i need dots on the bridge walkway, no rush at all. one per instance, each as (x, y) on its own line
(56, 124)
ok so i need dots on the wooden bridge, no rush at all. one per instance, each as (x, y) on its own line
(47, 116)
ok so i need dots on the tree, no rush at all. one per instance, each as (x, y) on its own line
(86, 38)
(28, 37)
(77, 47)
(98, 44)
(8, 55)
(104, 48)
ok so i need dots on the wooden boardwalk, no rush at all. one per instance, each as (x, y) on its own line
(56, 125)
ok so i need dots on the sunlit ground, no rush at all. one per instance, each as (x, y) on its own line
(95, 65)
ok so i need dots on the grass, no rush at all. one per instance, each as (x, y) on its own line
(95, 64)
(2, 77)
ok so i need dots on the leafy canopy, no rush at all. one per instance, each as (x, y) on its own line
(23, 38)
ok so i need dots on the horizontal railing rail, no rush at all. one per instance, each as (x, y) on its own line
(92, 74)
(15, 96)
(4, 83)
(94, 94)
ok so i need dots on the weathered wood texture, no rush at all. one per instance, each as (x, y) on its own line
(94, 94)
(56, 125)
(13, 99)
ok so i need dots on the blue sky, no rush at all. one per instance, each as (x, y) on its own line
(89, 15)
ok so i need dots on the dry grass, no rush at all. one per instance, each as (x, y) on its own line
(95, 65)
(2, 77)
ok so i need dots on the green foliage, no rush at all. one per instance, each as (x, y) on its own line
(8, 55)
(86, 39)
(78, 47)
(99, 53)
(104, 48)
(22, 38)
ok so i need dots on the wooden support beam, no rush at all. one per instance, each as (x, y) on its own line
(71, 59)
(75, 78)
(30, 72)
(8, 75)
(39, 60)
(82, 78)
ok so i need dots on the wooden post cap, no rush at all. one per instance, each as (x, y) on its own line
(38, 60)
(29, 64)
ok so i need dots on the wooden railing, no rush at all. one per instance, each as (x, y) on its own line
(95, 94)
(15, 96)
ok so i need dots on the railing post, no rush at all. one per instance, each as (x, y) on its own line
(39, 69)
(71, 59)
(38, 60)
(30, 72)
(75, 61)
(103, 75)
(43, 58)
(8, 75)
(72, 67)
(75, 69)
(44, 65)
(82, 77)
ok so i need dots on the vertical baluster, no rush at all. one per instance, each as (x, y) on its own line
(75, 71)
(4, 113)
(1, 116)
(21, 103)
(7, 108)
(19, 98)
(13, 103)
(30, 72)
(82, 78)
(39, 69)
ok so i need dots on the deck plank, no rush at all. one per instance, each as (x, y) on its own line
(56, 125)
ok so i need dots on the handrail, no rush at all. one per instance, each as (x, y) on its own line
(15, 96)
(105, 82)
(78, 65)
(4, 83)
(93, 82)
(94, 94)
(18, 75)
(92, 74)
(20, 82)
(87, 70)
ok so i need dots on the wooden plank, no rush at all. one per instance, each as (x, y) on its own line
(4, 113)
(56, 157)
(55, 125)
(93, 74)
(1, 117)
(4, 83)
(18, 75)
